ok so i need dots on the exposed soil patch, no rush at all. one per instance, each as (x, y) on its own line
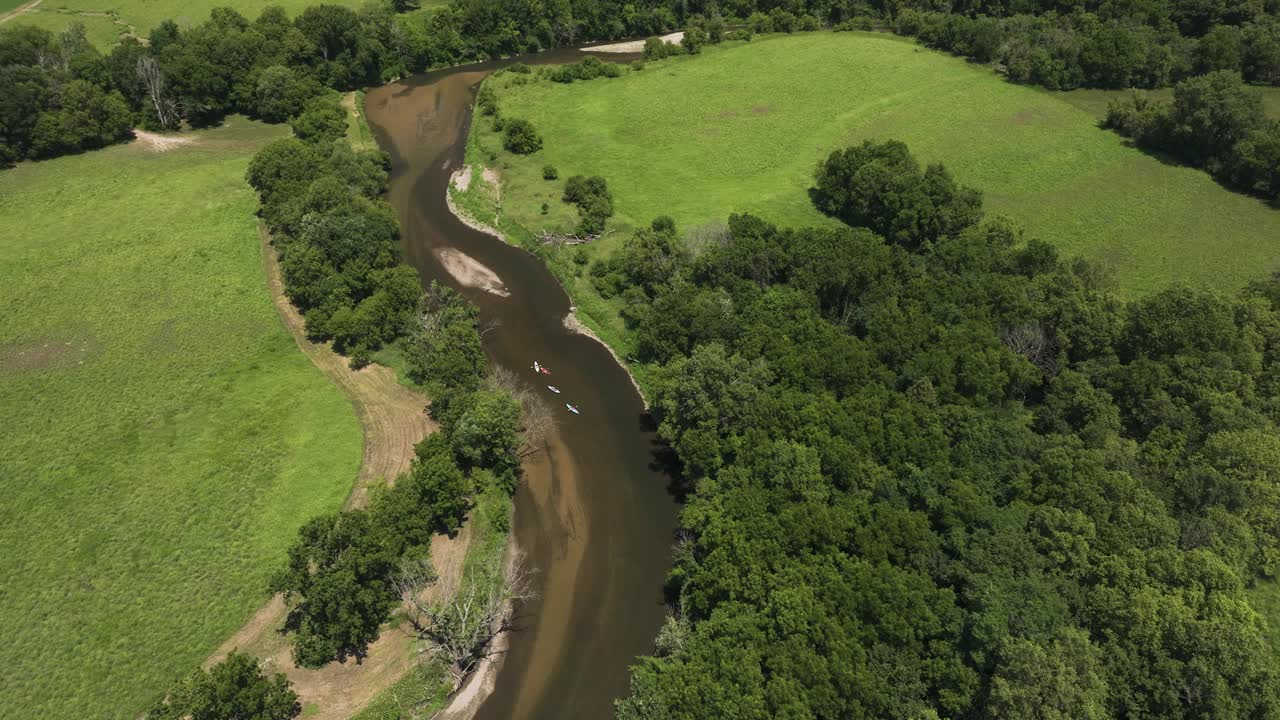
(634, 46)
(761, 110)
(1025, 117)
(469, 272)
(43, 354)
(462, 178)
(160, 143)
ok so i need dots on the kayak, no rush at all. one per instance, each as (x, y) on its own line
(572, 409)
(536, 366)
(554, 389)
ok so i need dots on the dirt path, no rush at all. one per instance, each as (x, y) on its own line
(391, 415)
(6, 17)
(393, 420)
(160, 143)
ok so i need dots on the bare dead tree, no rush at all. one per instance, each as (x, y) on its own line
(1033, 343)
(152, 80)
(467, 611)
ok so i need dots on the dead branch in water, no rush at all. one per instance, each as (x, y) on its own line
(550, 238)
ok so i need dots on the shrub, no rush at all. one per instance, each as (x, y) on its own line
(487, 100)
(595, 203)
(323, 120)
(588, 68)
(520, 137)
(783, 21)
(549, 172)
(808, 23)
(760, 23)
(520, 68)
(637, 65)
(693, 40)
(655, 48)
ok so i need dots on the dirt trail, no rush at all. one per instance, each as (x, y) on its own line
(393, 420)
(6, 17)
(391, 415)
(160, 143)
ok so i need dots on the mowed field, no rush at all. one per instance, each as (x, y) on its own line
(106, 20)
(163, 436)
(742, 127)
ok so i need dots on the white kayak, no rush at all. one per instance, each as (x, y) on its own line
(554, 389)
(572, 409)
(536, 366)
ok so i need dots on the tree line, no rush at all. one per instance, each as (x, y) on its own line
(59, 94)
(1213, 122)
(934, 470)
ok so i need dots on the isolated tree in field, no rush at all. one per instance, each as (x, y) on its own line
(234, 689)
(880, 186)
(152, 80)
(520, 137)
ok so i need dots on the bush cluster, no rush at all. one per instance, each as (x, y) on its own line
(520, 137)
(1213, 122)
(594, 201)
(588, 68)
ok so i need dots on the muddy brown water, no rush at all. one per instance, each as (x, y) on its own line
(598, 523)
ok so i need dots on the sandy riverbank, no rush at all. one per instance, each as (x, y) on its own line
(634, 46)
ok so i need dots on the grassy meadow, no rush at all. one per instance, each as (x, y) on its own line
(741, 128)
(106, 20)
(164, 437)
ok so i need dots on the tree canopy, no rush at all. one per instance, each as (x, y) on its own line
(946, 474)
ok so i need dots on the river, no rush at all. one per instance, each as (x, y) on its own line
(595, 518)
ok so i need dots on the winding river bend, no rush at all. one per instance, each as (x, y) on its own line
(595, 518)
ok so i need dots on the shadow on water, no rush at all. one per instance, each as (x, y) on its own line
(595, 518)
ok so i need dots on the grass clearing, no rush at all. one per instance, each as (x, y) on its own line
(164, 438)
(101, 30)
(144, 15)
(742, 127)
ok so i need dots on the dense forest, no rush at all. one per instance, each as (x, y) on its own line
(934, 470)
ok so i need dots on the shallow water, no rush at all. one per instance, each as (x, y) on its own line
(598, 524)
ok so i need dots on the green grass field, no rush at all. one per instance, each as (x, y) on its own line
(100, 16)
(163, 436)
(101, 30)
(742, 127)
